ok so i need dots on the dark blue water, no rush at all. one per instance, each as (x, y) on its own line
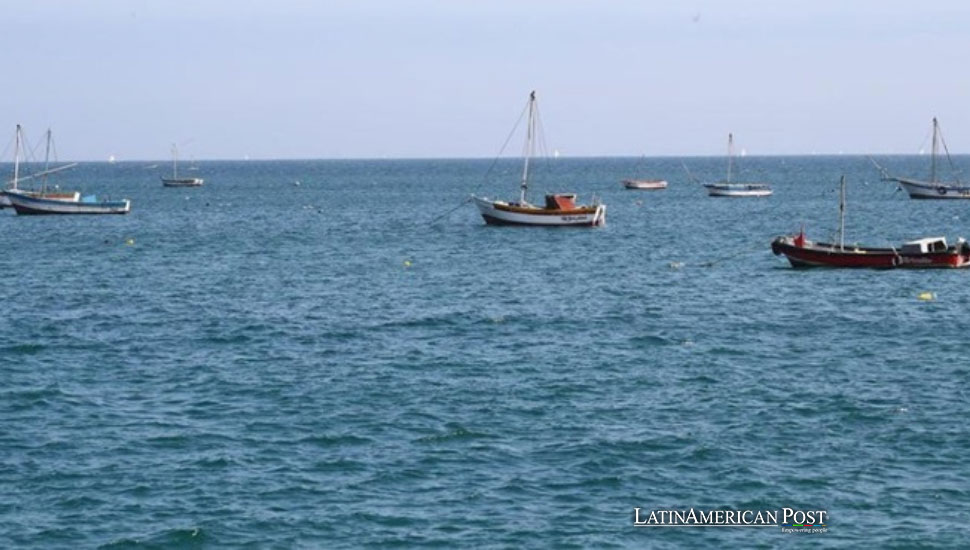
(257, 363)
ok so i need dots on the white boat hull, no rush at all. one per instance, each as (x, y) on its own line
(645, 185)
(738, 190)
(927, 190)
(502, 213)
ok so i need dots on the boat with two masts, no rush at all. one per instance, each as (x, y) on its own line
(727, 188)
(175, 180)
(934, 189)
(920, 253)
(44, 192)
(559, 210)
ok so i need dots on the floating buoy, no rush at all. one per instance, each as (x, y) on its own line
(407, 263)
(129, 241)
(676, 265)
(926, 296)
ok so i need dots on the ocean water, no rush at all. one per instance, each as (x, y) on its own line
(340, 354)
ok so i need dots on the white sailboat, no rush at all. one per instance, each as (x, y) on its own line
(175, 180)
(560, 209)
(934, 189)
(727, 188)
(14, 184)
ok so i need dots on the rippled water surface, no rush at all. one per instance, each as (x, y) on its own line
(319, 354)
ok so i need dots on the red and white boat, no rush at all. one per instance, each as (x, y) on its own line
(921, 253)
(560, 209)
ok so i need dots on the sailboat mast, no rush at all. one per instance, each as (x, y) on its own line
(47, 161)
(529, 146)
(175, 161)
(936, 137)
(730, 155)
(842, 214)
(16, 158)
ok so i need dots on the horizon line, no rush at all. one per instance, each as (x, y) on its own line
(421, 158)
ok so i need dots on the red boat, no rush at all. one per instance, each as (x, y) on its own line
(921, 253)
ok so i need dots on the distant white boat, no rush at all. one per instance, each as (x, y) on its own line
(175, 180)
(727, 188)
(644, 184)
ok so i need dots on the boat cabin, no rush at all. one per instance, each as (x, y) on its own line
(561, 201)
(923, 246)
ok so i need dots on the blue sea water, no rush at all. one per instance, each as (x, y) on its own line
(330, 354)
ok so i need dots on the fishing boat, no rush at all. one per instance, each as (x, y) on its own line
(727, 188)
(560, 209)
(934, 189)
(54, 194)
(26, 204)
(175, 180)
(920, 253)
(644, 184)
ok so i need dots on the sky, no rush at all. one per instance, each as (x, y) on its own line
(235, 79)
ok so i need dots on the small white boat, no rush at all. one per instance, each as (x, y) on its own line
(175, 180)
(26, 204)
(728, 189)
(934, 189)
(560, 209)
(645, 185)
(738, 189)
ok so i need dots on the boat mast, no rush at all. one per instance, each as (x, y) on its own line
(842, 214)
(47, 161)
(529, 146)
(730, 155)
(175, 161)
(16, 158)
(936, 133)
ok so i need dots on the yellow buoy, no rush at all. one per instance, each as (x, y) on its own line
(926, 296)
(407, 263)
(130, 242)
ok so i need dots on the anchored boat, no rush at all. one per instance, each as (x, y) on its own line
(920, 253)
(727, 188)
(642, 184)
(44, 192)
(934, 189)
(26, 204)
(560, 209)
(175, 180)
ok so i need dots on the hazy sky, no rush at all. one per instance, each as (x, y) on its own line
(448, 78)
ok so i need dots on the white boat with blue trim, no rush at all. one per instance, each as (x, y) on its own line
(26, 204)
(727, 188)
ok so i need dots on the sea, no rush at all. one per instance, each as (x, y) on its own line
(341, 354)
